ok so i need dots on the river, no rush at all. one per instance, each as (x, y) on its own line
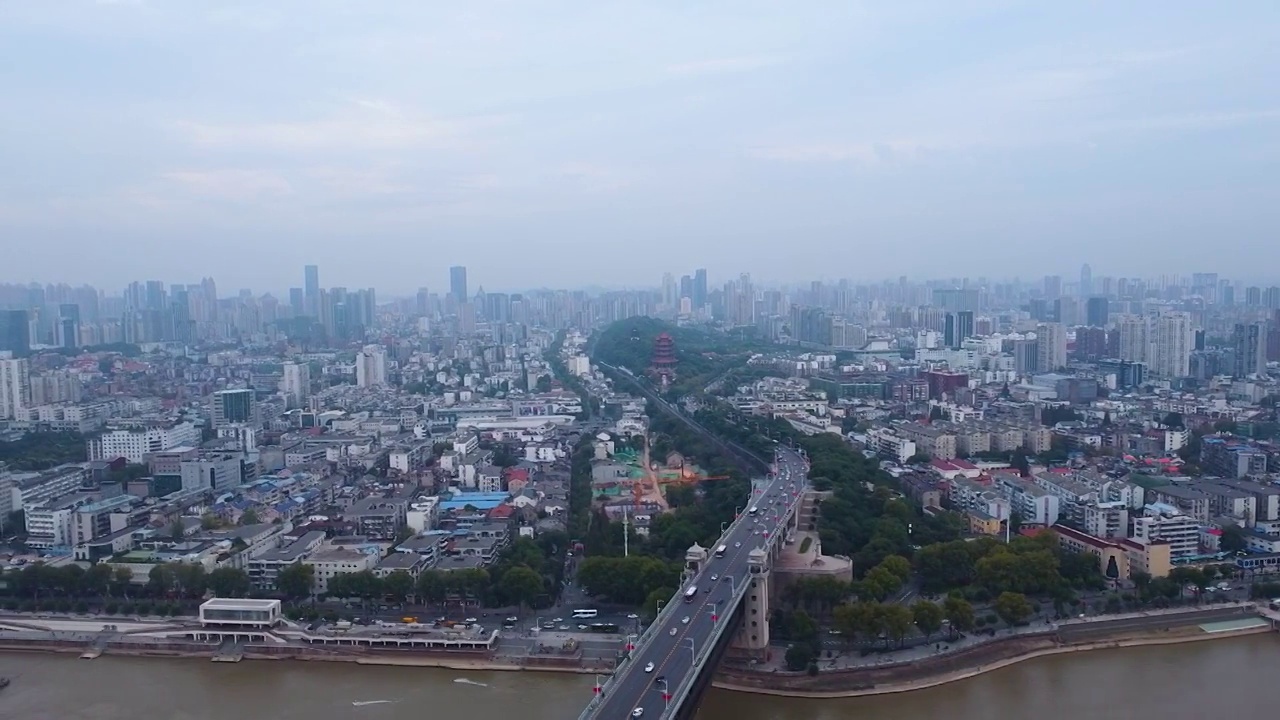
(1222, 678)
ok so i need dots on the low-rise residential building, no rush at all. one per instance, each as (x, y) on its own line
(332, 562)
(1165, 523)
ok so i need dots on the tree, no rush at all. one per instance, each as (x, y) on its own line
(959, 613)
(800, 655)
(398, 585)
(161, 580)
(543, 384)
(897, 621)
(177, 530)
(249, 517)
(1173, 420)
(1232, 539)
(97, 580)
(296, 581)
(228, 582)
(928, 617)
(803, 627)
(189, 579)
(121, 581)
(521, 584)
(1013, 608)
(431, 586)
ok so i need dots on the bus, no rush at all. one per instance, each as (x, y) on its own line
(720, 551)
(584, 614)
(606, 628)
(691, 593)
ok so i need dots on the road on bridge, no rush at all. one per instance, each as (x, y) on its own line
(680, 631)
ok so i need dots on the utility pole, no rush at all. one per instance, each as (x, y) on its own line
(626, 532)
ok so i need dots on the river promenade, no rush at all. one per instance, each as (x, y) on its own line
(845, 675)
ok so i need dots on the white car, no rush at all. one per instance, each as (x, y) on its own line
(637, 712)
(714, 577)
(673, 632)
(738, 544)
(648, 668)
(684, 620)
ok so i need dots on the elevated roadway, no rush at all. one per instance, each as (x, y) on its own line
(660, 677)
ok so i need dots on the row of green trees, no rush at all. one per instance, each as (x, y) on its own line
(178, 581)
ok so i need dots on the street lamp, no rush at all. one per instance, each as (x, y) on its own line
(722, 524)
(729, 579)
(666, 695)
(693, 654)
(658, 611)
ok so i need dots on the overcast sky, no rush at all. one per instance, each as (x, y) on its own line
(565, 144)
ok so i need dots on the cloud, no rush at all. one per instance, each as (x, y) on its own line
(231, 184)
(718, 66)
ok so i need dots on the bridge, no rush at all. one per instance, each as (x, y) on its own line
(724, 601)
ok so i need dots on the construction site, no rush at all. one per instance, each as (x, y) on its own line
(628, 482)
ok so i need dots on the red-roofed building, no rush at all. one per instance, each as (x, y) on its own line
(952, 469)
(517, 478)
(501, 512)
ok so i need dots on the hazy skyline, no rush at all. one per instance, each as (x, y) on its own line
(575, 144)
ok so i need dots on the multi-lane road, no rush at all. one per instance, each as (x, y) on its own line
(665, 659)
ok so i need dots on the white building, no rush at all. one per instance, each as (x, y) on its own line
(295, 384)
(15, 387)
(371, 366)
(885, 442)
(329, 563)
(1051, 346)
(240, 613)
(133, 444)
(1168, 524)
(1133, 331)
(1171, 345)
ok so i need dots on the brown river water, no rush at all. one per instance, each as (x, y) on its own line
(1227, 678)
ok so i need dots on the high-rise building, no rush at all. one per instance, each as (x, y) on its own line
(15, 331)
(1086, 281)
(371, 366)
(68, 325)
(1250, 344)
(1052, 286)
(458, 284)
(1097, 312)
(699, 296)
(231, 407)
(1133, 331)
(297, 302)
(957, 327)
(295, 384)
(15, 387)
(311, 286)
(1051, 346)
(1171, 345)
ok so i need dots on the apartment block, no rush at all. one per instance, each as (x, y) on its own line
(1165, 523)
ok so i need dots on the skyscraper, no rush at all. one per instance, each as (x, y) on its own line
(1051, 346)
(296, 383)
(1097, 312)
(1250, 343)
(15, 331)
(1133, 330)
(1086, 280)
(957, 327)
(458, 284)
(699, 296)
(311, 286)
(371, 366)
(15, 387)
(1171, 345)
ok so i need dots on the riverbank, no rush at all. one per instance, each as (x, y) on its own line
(998, 654)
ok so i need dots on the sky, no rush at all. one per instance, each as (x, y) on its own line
(546, 143)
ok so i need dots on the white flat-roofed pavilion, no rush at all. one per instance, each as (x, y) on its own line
(240, 612)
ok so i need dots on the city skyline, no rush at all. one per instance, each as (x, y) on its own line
(984, 138)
